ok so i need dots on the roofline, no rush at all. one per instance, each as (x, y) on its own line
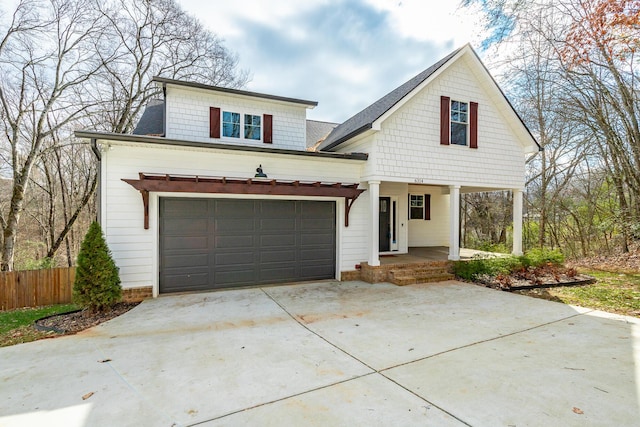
(166, 81)
(434, 74)
(504, 96)
(352, 134)
(92, 135)
(401, 101)
(460, 52)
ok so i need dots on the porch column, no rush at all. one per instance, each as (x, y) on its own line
(517, 221)
(454, 226)
(374, 230)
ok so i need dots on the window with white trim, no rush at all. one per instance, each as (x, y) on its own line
(416, 206)
(252, 127)
(230, 124)
(459, 122)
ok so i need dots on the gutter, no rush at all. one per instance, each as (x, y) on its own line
(161, 141)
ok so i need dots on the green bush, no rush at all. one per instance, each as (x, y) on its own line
(537, 257)
(493, 266)
(493, 247)
(483, 265)
(97, 284)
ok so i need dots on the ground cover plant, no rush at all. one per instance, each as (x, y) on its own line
(536, 266)
(16, 326)
(613, 292)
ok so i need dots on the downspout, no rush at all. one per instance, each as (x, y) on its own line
(96, 152)
(164, 110)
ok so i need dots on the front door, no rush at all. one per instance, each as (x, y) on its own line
(385, 224)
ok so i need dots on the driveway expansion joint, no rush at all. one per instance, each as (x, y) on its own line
(510, 334)
(374, 371)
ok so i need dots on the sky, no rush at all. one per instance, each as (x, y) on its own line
(344, 54)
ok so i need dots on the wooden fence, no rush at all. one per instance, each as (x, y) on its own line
(33, 288)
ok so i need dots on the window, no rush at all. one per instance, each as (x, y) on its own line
(252, 127)
(231, 124)
(249, 127)
(459, 121)
(420, 206)
(416, 206)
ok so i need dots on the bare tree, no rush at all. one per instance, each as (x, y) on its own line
(84, 63)
(580, 84)
(153, 38)
(45, 68)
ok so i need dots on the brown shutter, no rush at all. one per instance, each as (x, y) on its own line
(445, 116)
(427, 206)
(267, 136)
(473, 125)
(214, 122)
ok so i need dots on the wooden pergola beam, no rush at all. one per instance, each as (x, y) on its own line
(213, 185)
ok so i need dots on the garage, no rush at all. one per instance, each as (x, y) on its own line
(208, 244)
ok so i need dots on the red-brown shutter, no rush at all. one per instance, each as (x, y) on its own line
(427, 206)
(473, 125)
(214, 122)
(267, 136)
(445, 116)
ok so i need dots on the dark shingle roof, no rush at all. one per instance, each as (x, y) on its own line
(317, 131)
(365, 118)
(152, 120)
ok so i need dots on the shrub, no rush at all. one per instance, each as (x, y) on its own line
(483, 265)
(494, 266)
(97, 283)
(538, 257)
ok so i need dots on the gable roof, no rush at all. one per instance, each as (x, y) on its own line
(152, 120)
(316, 131)
(365, 119)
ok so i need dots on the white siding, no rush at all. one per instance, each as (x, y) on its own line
(407, 148)
(355, 238)
(135, 249)
(187, 118)
(433, 232)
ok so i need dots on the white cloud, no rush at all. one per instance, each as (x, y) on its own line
(345, 54)
(438, 21)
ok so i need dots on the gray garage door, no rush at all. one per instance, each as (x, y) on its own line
(218, 243)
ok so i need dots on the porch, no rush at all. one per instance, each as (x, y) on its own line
(422, 221)
(427, 254)
(419, 265)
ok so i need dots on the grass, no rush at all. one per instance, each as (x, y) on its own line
(613, 292)
(16, 326)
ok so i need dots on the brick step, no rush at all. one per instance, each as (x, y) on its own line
(426, 264)
(416, 271)
(425, 278)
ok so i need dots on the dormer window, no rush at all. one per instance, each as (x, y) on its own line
(231, 124)
(252, 126)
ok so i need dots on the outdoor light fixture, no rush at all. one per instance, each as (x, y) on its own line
(260, 173)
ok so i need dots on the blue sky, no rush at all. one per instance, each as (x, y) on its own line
(345, 54)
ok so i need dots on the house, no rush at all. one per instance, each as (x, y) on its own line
(220, 187)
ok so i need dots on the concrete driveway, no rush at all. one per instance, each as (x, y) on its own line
(446, 354)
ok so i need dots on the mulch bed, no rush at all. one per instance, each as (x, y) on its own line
(547, 276)
(76, 321)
